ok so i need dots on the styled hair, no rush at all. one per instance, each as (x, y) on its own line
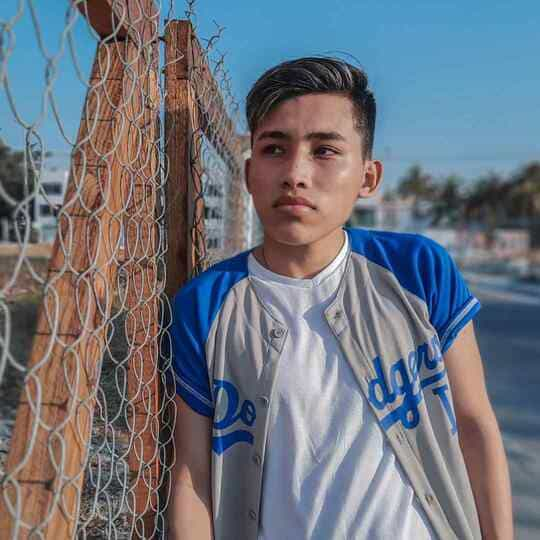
(312, 75)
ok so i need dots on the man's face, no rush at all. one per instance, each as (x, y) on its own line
(307, 168)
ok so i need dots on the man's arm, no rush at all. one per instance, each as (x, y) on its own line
(189, 514)
(479, 437)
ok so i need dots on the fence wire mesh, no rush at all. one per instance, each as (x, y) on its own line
(152, 193)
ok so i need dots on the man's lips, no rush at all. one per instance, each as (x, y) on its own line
(285, 200)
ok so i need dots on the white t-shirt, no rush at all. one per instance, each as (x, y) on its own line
(328, 473)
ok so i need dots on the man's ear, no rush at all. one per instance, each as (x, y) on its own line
(373, 173)
(247, 164)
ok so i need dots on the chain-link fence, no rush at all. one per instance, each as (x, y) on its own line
(152, 193)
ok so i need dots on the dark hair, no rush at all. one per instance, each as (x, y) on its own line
(314, 75)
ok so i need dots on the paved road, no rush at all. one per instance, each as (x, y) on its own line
(508, 329)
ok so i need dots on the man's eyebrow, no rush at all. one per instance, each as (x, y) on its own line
(320, 135)
(326, 136)
(273, 135)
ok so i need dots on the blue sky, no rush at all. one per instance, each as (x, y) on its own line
(457, 83)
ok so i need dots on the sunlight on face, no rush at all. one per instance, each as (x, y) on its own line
(307, 168)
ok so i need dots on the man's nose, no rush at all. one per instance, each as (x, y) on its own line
(297, 173)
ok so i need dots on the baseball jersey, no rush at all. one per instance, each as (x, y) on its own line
(329, 474)
(398, 307)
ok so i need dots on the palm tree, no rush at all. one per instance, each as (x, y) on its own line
(485, 202)
(418, 186)
(447, 206)
(416, 183)
(523, 204)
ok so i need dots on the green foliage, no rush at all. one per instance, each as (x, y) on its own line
(491, 201)
(419, 186)
(447, 208)
(416, 184)
(485, 201)
(524, 197)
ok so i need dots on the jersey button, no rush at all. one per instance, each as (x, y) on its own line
(277, 332)
(263, 400)
(256, 459)
(430, 499)
(253, 515)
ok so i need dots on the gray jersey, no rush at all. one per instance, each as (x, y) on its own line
(398, 308)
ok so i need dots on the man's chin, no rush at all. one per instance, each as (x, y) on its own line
(296, 235)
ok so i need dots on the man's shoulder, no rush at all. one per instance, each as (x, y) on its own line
(390, 246)
(218, 279)
(417, 262)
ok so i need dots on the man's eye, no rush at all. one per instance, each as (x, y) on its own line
(273, 150)
(325, 151)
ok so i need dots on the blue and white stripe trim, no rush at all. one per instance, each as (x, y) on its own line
(194, 398)
(459, 321)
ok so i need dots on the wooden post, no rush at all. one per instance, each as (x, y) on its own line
(49, 446)
(185, 206)
(143, 289)
(194, 108)
(137, 21)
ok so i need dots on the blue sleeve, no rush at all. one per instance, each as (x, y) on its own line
(188, 348)
(424, 268)
(450, 303)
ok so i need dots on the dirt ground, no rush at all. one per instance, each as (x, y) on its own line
(42, 251)
(23, 274)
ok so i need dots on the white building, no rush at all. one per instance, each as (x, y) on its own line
(389, 215)
(49, 199)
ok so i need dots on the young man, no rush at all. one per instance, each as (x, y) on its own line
(329, 381)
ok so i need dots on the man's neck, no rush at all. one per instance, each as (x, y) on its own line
(304, 261)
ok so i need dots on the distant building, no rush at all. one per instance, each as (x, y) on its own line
(389, 215)
(510, 244)
(48, 201)
(451, 239)
(254, 229)
(505, 249)
(403, 215)
(214, 208)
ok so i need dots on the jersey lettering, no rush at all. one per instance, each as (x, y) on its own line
(407, 383)
(246, 414)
